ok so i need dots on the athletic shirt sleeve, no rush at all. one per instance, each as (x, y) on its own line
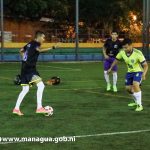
(141, 58)
(106, 44)
(119, 56)
(37, 46)
(31, 54)
(25, 47)
(33, 48)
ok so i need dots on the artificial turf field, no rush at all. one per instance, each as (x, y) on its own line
(81, 107)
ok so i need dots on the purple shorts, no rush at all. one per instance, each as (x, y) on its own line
(108, 63)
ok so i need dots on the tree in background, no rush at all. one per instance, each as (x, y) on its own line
(104, 14)
(131, 23)
(95, 14)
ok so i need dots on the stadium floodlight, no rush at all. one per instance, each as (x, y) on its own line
(134, 17)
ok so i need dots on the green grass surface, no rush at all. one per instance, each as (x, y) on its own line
(81, 107)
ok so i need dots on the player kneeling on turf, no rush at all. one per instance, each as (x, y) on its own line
(29, 74)
(137, 69)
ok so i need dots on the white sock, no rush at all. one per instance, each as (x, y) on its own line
(115, 78)
(40, 90)
(138, 97)
(25, 90)
(106, 75)
(134, 98)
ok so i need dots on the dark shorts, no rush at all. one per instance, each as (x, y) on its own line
(29, 75)
(108, 63)
(29, 78)
(134, 76)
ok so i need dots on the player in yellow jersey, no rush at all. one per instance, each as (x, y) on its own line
(137, 69)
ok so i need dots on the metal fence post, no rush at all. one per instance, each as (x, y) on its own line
(77, 31)
(2, 30)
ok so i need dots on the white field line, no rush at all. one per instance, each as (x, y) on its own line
(93, 135)
(64, 68)
(112, 133)
(46, 70)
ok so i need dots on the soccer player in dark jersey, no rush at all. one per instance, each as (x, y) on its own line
(29, 74)
(110, 50)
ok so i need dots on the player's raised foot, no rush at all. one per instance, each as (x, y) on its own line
(41, 111)
(115, 88)
(132, 104)
(139, 108)
(108, 87)
(17, 112)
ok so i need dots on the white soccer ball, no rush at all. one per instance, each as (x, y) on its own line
(50, 110)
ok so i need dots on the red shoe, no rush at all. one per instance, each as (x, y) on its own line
(17, 112)
(41, 111)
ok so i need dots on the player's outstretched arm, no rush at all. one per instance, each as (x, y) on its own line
(51, 48)
(45, 49)
(113, 64)
(145, 69)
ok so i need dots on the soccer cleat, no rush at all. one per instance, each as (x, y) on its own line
(41, 111)
(115, 88)
(17, 112)
(132, 104)
(108, 87)
(139, 108)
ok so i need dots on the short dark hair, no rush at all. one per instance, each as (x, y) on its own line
(114, 31)
(126, 41)
(39, 33)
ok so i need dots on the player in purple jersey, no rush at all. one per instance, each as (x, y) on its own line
(110, 50)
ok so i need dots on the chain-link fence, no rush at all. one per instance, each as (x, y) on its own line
(91, 39)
